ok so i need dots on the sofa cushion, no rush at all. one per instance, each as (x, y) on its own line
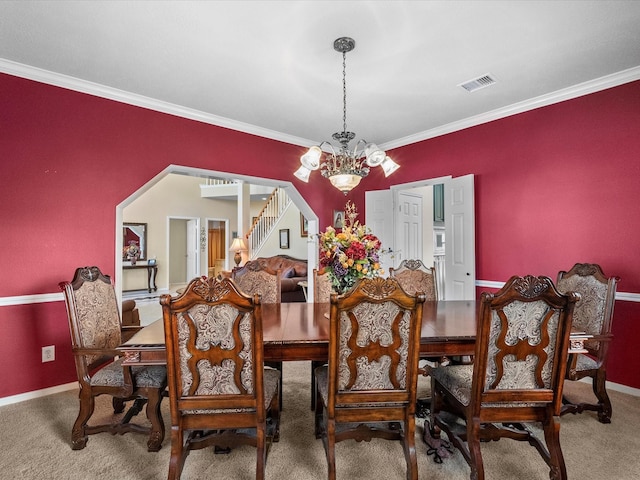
(288, 273)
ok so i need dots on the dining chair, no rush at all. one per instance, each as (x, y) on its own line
(516, 378)
(255, 277)
(219, 390)
(94, 322)
(593, 315)
(321, 286)
(414, 276)
(321, 294)
(368, 389)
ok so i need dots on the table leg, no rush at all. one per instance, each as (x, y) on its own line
(151, 278)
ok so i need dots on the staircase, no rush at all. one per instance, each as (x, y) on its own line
(267, 220)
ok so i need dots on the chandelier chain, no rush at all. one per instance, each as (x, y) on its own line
(344, 91)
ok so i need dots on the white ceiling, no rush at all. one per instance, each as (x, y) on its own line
(269, 67)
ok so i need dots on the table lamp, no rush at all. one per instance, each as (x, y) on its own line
(238, 246)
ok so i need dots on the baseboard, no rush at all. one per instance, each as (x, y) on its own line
(38, 393)
(74, 385)
(616, 387)
(622, 388)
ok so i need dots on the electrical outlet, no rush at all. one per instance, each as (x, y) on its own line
(48, 353)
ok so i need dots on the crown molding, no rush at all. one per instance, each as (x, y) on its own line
(98, 90)
(91, 88)
(579, 90)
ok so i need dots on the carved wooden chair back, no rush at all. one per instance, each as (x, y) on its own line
(593, 315)
(373, 366)
(94, 322)
(517, 376)
(322, 287)
(414, 276)
(256, 277)
(217, 381)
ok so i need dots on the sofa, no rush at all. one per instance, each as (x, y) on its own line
(292, 271)
(130, 320)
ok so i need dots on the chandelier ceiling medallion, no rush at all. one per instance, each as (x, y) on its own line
(344, 168)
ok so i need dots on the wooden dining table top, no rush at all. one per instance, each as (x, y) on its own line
(300, 331)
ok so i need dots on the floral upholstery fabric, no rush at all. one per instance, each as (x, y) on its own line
(413, 281)
(524, 321)
(214, 327)
(112, 376)
(588, 314)
(322, 377)
(98, 317)
(585, 362)
(271, 381)
(374, 325)
(456, 379)
(322, 288)
(266, 284)
(524, 324)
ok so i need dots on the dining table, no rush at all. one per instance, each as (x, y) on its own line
(299, 331)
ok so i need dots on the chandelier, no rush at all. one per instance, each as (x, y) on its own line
(344, 167)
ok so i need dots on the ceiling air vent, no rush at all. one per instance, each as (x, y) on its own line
(478, 83)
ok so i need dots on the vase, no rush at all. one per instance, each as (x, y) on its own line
(133, 260)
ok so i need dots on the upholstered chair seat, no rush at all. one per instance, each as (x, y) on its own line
(112, 375)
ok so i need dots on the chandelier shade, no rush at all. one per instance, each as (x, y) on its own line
(343, 167)
(389, 166)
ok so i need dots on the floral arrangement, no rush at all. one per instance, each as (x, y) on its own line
(131, 251)
(349, 255)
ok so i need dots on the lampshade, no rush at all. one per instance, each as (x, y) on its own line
(238, 245)
(389, 166)
(303, 173)
(374, 155)
(311, 159)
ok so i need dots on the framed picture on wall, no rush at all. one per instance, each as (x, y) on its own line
(338, 219)
(284, 238)
(304, 226)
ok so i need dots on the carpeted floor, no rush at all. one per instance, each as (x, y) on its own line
(34, 441)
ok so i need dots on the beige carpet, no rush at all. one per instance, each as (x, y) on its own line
(34, 441)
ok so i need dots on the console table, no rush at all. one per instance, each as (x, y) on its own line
(151, 275)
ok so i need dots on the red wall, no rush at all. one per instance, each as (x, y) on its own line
(554, 186)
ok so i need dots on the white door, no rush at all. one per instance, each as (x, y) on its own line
(460, 260)
(193, 252)
(408, 231)
(459, 269)
(379, 218)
